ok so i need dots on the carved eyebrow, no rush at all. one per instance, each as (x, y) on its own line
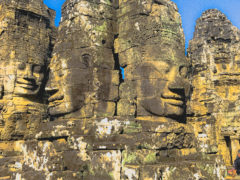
(168, 64)
(168, 61)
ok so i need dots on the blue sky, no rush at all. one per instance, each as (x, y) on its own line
(190, 11)
(56, 5)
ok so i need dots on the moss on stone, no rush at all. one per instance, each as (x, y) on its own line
(133, 127)
(101, 28)
(129, 157)
(150, 158)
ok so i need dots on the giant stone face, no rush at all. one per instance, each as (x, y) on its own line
(68, 83)
(25, 51)
(29, 78)
(164, 87)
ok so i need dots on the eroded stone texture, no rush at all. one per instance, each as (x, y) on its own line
(214, 53)
(149, 132)
(27, 35)
(26, 38)
(99, 126)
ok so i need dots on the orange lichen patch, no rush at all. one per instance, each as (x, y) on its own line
(5, 178)
(7, 145)
(61, 141)
(132, 166)
(232, 178)
(153, 118)
(11, 146)
(186, 152)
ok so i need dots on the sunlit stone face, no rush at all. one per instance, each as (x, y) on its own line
(29, 78)
(67, 85)
(60, 101)
(25, 52)
(164, 87)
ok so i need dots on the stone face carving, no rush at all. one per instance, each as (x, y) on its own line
(25, 66)
(87, 84)
(164, 88)
(153, 52)
(26, 40)
(29, 78)
(98, 125)
(70, 85)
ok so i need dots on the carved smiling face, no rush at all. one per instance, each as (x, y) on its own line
(29, 78)
(27, 52)
(68, 82)
(164, 87)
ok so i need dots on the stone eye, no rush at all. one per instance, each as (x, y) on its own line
(166, 69)
(37, 69)
(60, 74)
(22, 66)
(183, 71)
(86, 59)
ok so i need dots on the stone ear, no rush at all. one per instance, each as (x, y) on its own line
(1, 91)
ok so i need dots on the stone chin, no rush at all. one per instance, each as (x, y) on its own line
(174, 111)
(61, 109)
(26, 91)
(158, 107)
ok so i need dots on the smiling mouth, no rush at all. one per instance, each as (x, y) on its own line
(55, 100)
(174, 100)
(54, 104)
(30, 86)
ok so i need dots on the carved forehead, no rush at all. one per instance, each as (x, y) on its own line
(25, 36)
(162, 64)
(83, 58)
(16, 63)
(36, 7)
(30, 63)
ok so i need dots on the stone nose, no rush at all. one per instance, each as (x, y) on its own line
(178, 84)
(52, 89)
(51, 84)
(28, 74)
(53, 93)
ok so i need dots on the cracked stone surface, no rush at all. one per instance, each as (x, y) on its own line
(66, 112)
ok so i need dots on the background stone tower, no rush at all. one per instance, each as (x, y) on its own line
(214, 54)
